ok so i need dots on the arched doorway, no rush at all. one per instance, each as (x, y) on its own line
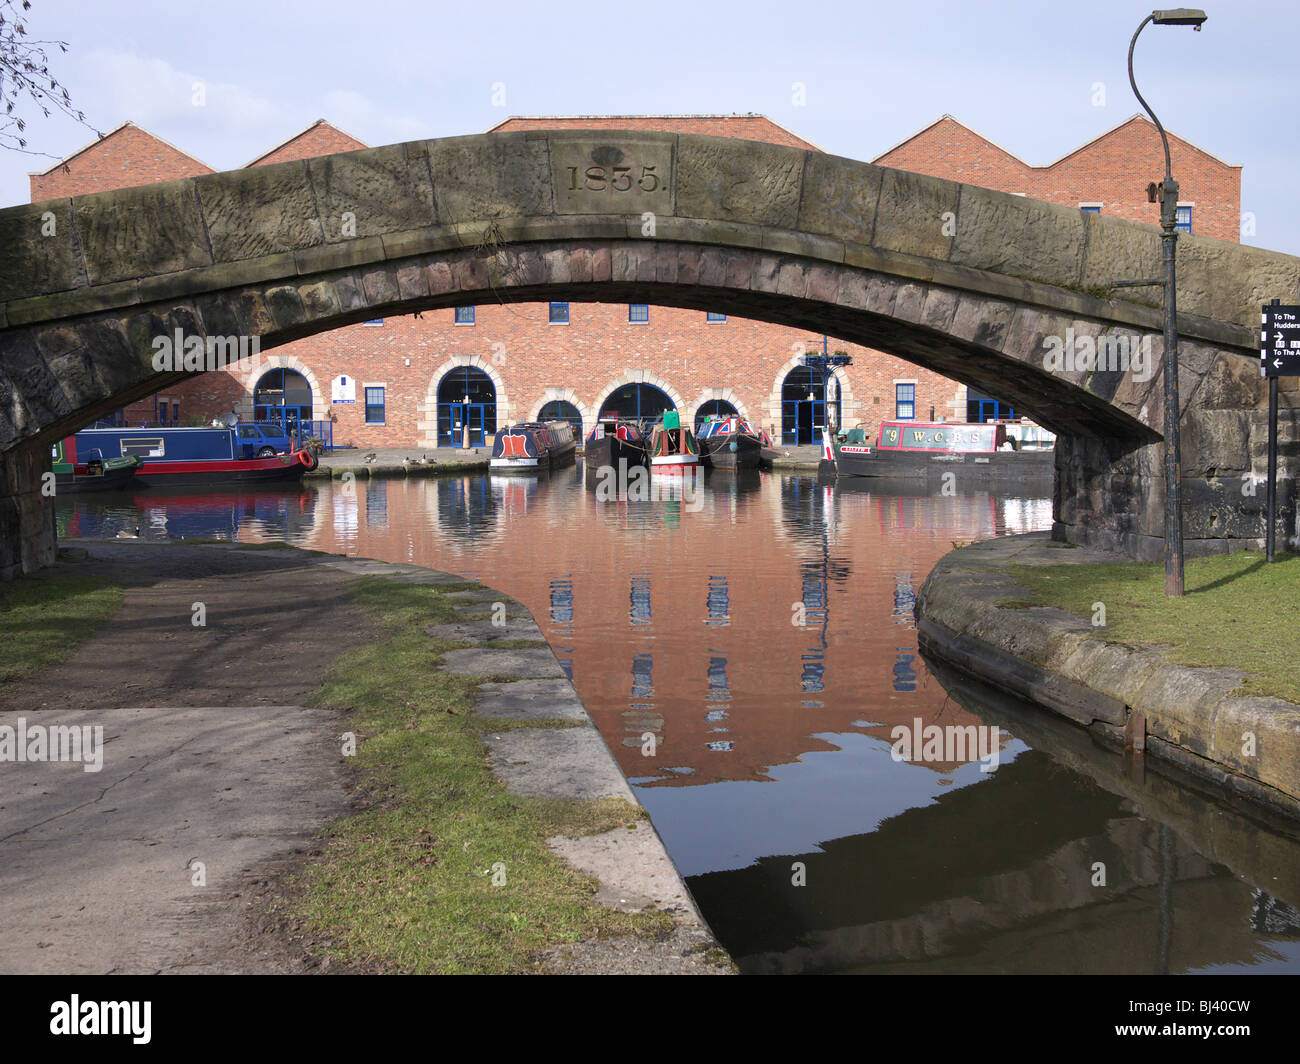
(561, 410)
(284, 396)
(715, 408)
(466, 397)
(803, 406)
(637, 402)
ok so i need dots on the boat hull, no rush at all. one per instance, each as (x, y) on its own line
(110, 480)
(716, 452)
(609, 450)
(916, 465)
(234, 471)
(674, 464)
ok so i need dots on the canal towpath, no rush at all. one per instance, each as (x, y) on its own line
(219, 772)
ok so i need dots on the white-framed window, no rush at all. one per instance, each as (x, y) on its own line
(1183, 217)
(1091, 208)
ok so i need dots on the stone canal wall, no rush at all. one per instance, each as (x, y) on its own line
(1189, 716)
(533, 757)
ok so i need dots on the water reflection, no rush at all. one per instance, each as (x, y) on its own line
(747, 654)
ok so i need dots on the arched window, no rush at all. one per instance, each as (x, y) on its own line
(559, 410)
(803, 406)
(283, 396)
(467, 398)
(716, 409)
(637, 402)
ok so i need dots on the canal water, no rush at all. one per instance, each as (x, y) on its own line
(836, 803)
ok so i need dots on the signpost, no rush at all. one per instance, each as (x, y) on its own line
(1279, 356)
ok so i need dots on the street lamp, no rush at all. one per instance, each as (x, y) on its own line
(1168, 193)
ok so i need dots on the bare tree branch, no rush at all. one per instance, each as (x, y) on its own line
(25, 76)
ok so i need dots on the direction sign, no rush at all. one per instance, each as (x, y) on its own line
(1279, 341)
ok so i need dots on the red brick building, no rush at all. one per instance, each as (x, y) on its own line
(1109, 174)
(413, 381)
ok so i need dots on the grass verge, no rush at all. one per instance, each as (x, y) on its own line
(408, 884)
(1237, 612)
(44, 618)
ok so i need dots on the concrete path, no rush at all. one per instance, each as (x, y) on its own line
(401, 461)
(161, 860)
(95, 867)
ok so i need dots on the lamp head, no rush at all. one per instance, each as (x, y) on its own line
(1180, 16)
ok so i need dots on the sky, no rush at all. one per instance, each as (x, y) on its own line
(1038, 78)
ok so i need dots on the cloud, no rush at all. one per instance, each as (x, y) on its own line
(156, 95)
(366, 120)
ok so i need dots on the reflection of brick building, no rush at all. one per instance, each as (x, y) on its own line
(412, 381)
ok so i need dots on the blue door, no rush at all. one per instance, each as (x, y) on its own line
(452, 418)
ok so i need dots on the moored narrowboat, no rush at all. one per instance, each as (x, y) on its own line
(532, 445)
(729, 443)
(614, 439)
(672, 446)
(89, 470)
(988, 451)
(248, 453)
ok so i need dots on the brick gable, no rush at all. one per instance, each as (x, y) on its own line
(320, 138)
(126, 157)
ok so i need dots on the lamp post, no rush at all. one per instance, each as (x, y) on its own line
(1168, 192)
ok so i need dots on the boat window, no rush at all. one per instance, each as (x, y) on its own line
(151, 447)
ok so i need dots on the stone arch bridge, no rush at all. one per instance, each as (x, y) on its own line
(971, 283)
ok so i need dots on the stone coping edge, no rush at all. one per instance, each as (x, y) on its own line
(692, 918)
(1054, 659)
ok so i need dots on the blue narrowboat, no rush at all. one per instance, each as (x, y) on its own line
(244, 453)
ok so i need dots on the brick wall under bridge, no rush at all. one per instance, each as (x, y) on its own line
(922, 268)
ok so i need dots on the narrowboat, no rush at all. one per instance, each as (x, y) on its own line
(531, 445)
(729, 443)
(89, 470)
(672, 446)
(613, 439)
(248, 453)
(987, 451)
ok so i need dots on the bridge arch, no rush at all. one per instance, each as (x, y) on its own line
(798, 238)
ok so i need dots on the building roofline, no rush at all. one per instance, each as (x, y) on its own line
(301, 133)
(573, 118)
(112, 132)
(1061, 159)
(1144, 118)
(972, 132)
